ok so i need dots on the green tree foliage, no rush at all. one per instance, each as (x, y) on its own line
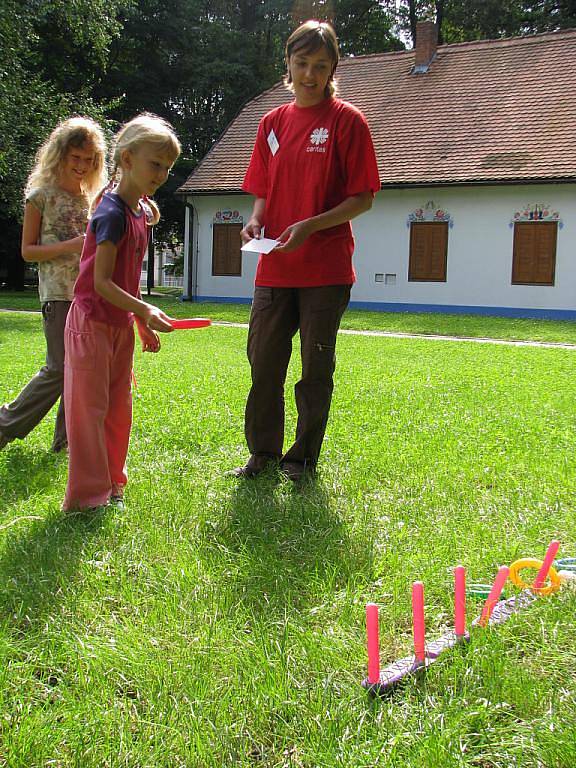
(461, 20)
(549, 15)
(365, 27)
(50, 53)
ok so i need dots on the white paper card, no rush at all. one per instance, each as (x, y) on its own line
(273, 142)
(262, 245)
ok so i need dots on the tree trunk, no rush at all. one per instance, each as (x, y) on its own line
(413, 19)
(440, 19)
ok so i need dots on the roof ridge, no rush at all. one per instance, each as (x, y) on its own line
(528, 39)
(248, 103)
(262, 94)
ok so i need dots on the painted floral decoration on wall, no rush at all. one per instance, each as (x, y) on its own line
(227, 216)
(537, 212)
(430, 213)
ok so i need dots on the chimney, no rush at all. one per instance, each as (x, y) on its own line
(426, 45)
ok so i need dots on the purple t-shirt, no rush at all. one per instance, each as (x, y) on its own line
(115, 221)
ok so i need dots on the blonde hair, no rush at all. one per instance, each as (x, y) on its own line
(309, 38)
(145, 128)
(72, 133)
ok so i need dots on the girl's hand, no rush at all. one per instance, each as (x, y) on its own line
(156, 320)
(74, 246)
(293, 236)
(150, 339)
(251, 230)
(32, 251)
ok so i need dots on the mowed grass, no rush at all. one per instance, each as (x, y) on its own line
(221, 623)
(427, 323)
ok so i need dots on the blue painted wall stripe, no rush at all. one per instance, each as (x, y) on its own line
(448, 309)
(219, 299)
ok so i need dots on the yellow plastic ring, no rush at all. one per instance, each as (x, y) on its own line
(531, 562)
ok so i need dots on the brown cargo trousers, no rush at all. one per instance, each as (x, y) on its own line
(277, 314)
(19, 417)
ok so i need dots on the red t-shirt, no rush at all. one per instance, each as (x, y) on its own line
(115, 221)
(307, 160)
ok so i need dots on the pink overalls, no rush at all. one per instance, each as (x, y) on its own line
(99, 347)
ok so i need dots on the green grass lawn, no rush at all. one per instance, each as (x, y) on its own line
(554, 331)
(221, 623)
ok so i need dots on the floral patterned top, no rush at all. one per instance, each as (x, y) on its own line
(64, 216)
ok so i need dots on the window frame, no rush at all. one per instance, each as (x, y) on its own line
(230, 227)
(530, 225)
(416, 226)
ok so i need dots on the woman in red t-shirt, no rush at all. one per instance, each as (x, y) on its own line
(312, 170)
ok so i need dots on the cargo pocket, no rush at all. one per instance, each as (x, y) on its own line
(263, 298)
(80, 350)
(328, 349)
(322, 360)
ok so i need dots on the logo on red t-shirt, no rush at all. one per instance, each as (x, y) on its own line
(317, 137)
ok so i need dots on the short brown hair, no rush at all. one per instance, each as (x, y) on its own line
(309, 38)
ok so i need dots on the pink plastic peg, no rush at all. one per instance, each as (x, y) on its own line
(418, 621)
(494, 595)
(373, 643)
(542, 574)
(460, 600)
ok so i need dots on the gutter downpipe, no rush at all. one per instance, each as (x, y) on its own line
(190, 254)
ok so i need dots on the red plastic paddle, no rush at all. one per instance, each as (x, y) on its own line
(191, 322)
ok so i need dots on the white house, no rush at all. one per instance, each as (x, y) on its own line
(476, 147)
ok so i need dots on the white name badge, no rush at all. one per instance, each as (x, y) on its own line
(273, 142)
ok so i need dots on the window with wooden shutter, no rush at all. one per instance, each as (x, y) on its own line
(534, 253)
(428, 251)
(226, 253)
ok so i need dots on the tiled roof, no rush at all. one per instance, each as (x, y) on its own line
(487, 111)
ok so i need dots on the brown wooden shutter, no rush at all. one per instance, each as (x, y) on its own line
(534, 253)
(226, 253)
(428, 251)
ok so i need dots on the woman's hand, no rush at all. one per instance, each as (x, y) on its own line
(294, 235)
(251, 230)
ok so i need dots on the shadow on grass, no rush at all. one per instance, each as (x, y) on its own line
(288, 544)
(38, 566)
(24, 472)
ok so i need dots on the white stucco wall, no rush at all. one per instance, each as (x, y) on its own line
(479, 266)
(220, 287)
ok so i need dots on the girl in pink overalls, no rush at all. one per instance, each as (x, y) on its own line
(99, 336)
